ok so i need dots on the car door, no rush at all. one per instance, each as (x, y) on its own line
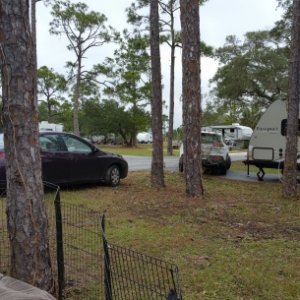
(84, 166)
(56, 161)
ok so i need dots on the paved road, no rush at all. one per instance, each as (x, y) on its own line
(138, 163)
(235, 175)
(143, 163)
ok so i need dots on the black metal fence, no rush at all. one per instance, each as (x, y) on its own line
(75, 246)
(75, 240)
(85, 270)
(132, 275)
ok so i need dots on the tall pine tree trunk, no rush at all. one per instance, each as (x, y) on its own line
(33, 33)
(290, 165)
(191, 96)
(27, 221)
(172, 75)
(157, 172)
(76, 98)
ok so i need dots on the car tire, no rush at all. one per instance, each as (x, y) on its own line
(228, 162)
(223, 170)
(180, 165)
(113, 176)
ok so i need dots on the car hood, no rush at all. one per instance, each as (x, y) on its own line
(112, 154)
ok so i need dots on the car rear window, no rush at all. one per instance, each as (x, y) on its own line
(208, 138)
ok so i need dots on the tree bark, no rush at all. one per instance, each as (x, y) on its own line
(157, 172)
(33, 33)
(27, 221)
(77, 94)
(191, 96)
(290, 163)
(172, 75)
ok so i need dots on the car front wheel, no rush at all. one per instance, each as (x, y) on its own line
(113, 176)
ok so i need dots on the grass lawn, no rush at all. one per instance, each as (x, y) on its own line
(241, 241)
(139, 150)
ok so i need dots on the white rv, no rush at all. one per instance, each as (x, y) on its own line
(45, 126)
(144, 137)
(233, 135)
(268, 141)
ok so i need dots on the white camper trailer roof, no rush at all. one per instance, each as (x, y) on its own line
(45, 126)
(232, 126)
(234, 132)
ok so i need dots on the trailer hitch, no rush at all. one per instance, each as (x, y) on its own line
(260, 174)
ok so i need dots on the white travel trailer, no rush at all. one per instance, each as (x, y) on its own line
(234, 134)
(144, 137)
(45, 126)
(268, 142)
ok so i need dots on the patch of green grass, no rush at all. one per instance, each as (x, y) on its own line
(139, 150)
(241, 241)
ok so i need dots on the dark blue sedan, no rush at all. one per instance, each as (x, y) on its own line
(69, 159)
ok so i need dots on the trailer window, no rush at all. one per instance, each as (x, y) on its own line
(284, 127)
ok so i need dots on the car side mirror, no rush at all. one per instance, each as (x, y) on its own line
(95, 149)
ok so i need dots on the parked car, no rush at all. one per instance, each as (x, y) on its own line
(69, 159)
(214, 153)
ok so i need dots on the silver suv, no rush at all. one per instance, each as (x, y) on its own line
(214, 153)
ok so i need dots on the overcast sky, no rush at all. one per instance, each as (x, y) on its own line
(218, 19)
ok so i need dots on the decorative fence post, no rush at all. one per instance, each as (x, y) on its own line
(107, 273)
(59, 246)
(132, 275)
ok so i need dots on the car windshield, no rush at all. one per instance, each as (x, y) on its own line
(210, 138)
